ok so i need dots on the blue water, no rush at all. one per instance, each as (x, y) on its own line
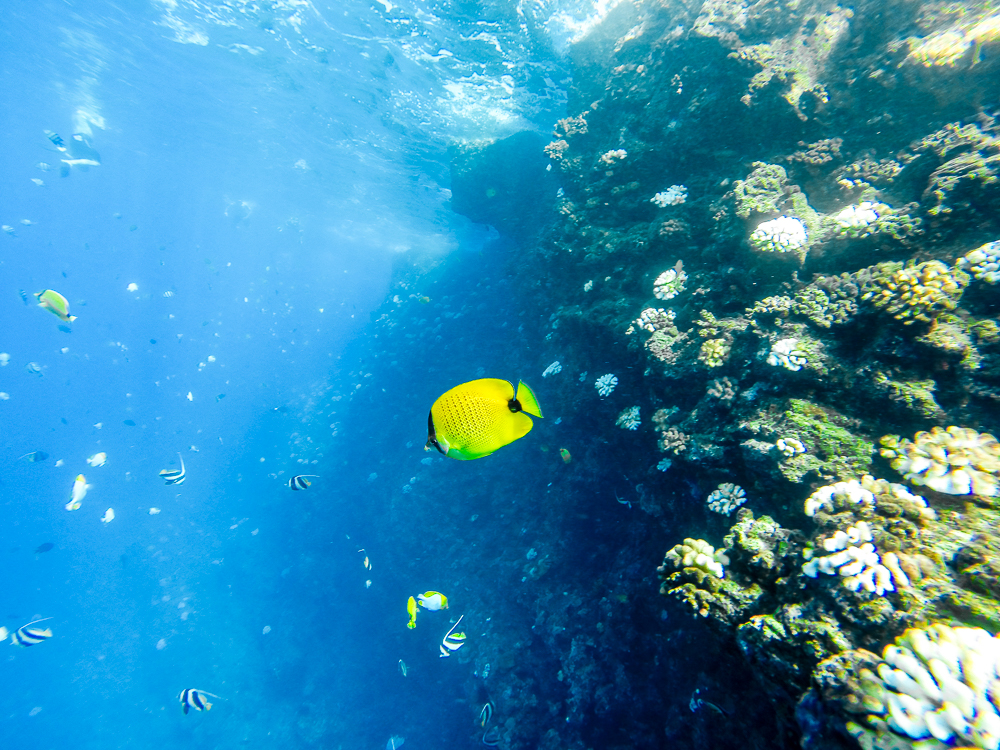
(262, 166)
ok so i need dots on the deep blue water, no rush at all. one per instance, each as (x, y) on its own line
(261, 166)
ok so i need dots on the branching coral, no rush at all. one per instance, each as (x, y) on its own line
(828, 300)
(915, 292)
(726, 498)
(670, 283)
(761, 191)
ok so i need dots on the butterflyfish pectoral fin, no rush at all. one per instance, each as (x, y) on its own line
(526, 398)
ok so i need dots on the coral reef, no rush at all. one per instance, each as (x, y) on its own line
(915, 292)
(956, 460)
(785, 234)
(726, 498)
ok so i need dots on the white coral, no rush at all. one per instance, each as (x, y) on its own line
(629, 418)
(697, 553)
(674, 195)
(943, 682)
(726, 498)
(605, 384)
(552, 369)
(860, 220)
(850, 491)
(790, 447)
(670, 283)
(615, 155)
(856, 560)
(782, 235)
(983, 262)
(785, 353)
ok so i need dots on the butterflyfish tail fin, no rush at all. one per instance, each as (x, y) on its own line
(526, 398)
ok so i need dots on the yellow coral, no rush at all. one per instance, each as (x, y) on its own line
(714, 352)
(918, 292)
(956, 461)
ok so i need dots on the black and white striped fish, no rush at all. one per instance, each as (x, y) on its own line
(452, 641)
(175, 476)
(194, 698)
(28, 636)
(487, 713)
(300, 482)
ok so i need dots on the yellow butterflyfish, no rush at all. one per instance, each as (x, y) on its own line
(475, 419)
(56, 304)
(433, 600)
(411, 609)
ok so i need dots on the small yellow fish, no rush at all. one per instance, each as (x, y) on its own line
(56, 304)
(411, 609)
(475, 419)
(98, 459)
(433, 600)
(79, 492)
(565, 455)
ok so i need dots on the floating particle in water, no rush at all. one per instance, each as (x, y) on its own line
(552, 369)
(35, 711)
(372, 477)
(266, 630)
(4, 396)
(161, 644)
(133, 287)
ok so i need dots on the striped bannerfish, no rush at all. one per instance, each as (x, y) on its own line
(300, 482)
(194, 698)
(452, 641)
(487, 713)
(175, 476)
(26, 635)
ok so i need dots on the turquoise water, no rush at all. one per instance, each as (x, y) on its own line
(256, 170)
